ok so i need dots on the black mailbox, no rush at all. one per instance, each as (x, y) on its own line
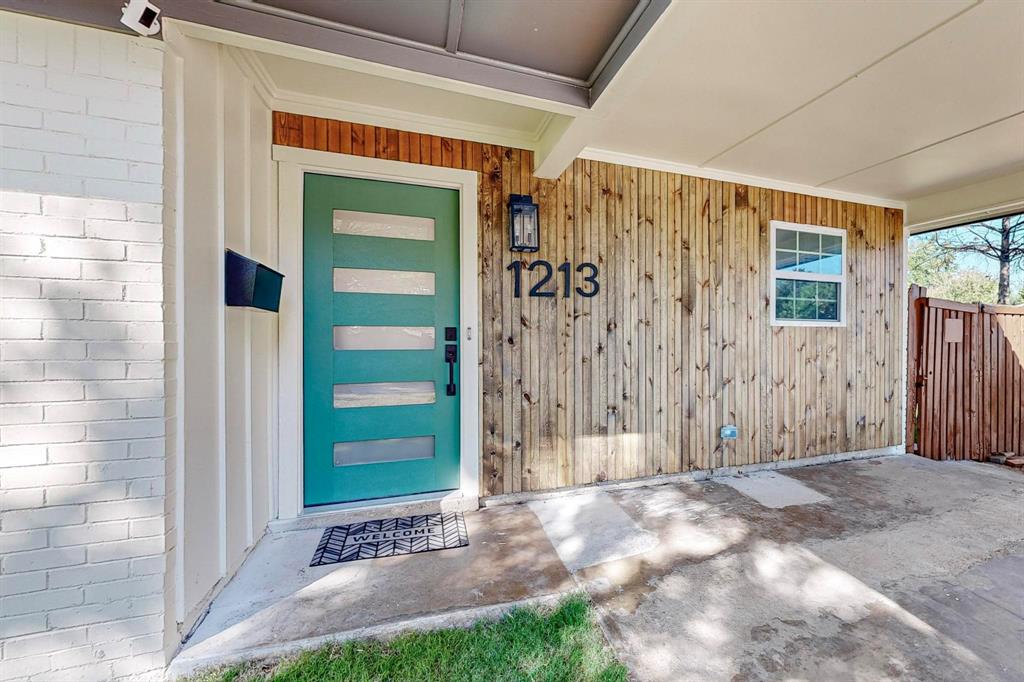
(250, 284)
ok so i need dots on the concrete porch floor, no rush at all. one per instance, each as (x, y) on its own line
(889, 568)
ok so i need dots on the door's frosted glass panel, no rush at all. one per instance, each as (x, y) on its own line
(360, 281)
(383, 225)
(383, 338)
(384, 393)
(383, 450)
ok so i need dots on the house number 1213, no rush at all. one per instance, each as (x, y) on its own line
(588, 286)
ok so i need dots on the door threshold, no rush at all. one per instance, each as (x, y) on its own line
(366, 510)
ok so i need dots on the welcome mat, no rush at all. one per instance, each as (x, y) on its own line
(391, 537)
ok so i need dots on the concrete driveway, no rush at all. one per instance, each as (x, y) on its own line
(895, 568)
(908, 569)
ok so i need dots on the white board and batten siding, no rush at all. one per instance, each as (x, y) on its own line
(228, 370)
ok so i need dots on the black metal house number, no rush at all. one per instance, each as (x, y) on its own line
(588, 287)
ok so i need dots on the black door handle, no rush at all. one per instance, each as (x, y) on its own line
(451, 356)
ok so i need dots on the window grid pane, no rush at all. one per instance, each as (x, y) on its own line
(809, 262)
(786, 239)
(786, 260)
(809, 242)
(831, 265)
(805, 300)
(831, 244)
(810, 252)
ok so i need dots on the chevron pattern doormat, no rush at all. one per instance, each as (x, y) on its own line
(391, 537)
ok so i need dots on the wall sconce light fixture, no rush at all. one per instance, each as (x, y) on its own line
(523, 223)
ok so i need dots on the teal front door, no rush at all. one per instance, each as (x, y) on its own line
(380, 339)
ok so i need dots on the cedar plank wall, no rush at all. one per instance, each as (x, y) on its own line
(637, 380)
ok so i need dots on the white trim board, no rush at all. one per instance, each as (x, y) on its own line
(292, 164)
(729, 176)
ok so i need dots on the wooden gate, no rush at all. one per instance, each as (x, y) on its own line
(966, 378)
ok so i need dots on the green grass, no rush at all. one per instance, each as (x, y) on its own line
(554, 645)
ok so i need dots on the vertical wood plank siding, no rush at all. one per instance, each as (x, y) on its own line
(638, 380)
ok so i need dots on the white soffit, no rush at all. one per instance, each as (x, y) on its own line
(965, 74)
(317, 89)
(991, 151)
(716, 72)
(880, 99)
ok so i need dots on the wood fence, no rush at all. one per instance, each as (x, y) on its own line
(966, 378)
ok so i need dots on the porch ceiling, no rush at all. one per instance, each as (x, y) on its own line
(878, 99)
(893, 101)
(888, 99)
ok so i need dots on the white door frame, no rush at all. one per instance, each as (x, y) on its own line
(293, 164)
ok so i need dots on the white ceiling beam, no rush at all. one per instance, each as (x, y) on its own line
(561, 142)
(456, 8)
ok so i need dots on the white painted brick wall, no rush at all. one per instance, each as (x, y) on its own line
(82, 399)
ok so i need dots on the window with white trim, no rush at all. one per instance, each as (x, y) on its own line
(808, 275)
